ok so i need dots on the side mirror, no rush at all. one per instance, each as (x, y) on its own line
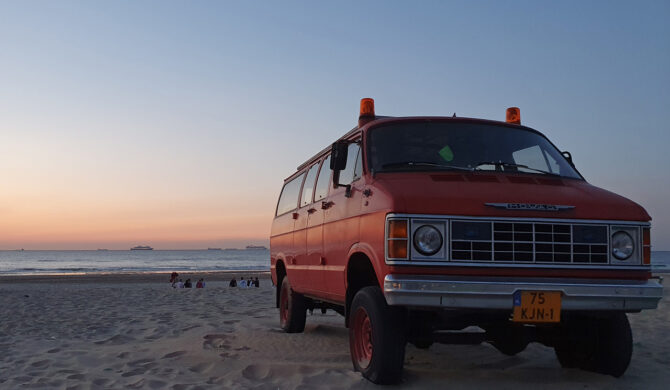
(338, 161)
(338, 155)
(568, 156)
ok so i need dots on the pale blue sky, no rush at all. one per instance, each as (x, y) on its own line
(193, 113)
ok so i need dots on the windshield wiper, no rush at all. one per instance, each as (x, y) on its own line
(425, 164)
(500, 164)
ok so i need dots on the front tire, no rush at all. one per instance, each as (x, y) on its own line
(292, 309)
(376, 337)
(597, 344)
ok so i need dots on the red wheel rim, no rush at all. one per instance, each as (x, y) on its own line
(362, 329)
(283, 307)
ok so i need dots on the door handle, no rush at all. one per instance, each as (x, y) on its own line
(327, 205)
(311, 211)
(295, 215)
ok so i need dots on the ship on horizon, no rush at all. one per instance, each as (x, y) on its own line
(141, 248)
(213, 249)
(256, 247)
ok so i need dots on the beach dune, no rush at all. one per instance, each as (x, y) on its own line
(118, 332)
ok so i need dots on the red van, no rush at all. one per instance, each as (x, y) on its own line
(415, 228)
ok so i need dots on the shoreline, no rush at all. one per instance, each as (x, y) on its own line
(130, 277)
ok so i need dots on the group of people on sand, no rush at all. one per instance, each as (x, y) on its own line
(249, 282)
(176, 282)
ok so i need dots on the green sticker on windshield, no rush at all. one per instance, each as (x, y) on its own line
(446, 153)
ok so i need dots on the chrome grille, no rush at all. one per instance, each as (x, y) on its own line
(528, 242)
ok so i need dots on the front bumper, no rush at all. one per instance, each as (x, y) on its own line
(497, 292)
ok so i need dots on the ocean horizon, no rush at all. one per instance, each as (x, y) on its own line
(49, 262)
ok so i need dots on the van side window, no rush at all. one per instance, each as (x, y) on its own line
(308, 187)
(323, 182)
(347, 175)
(288, 200)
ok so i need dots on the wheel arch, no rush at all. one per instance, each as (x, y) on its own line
(360, 272)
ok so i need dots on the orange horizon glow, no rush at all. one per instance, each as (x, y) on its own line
(47, 222)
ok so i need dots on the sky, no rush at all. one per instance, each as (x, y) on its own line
(174, 124)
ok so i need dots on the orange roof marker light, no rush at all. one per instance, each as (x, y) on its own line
(513, 115)
(367, 113)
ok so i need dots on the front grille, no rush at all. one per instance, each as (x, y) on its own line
(528, 242)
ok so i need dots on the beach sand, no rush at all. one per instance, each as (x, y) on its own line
(135, 331)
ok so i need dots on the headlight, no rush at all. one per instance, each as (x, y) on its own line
(622, 245)
(427, 240)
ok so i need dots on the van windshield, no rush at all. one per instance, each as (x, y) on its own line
(464, 146)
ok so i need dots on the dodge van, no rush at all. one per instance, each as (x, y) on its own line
(420, 229)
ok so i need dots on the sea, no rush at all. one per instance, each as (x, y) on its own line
(30, 262)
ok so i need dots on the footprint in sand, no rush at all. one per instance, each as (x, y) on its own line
(227, 355)
(174, 354)
(41, 363)
(100, 382)
(201, 367)
(116, 340)
(156, 384)
(216, 380)
(137, 384)
(256, 372)
(67, 372)
(139, 362)
(55, 350)
(137, 371)
(217, 341)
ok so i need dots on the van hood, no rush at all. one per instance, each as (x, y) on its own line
(507, 195)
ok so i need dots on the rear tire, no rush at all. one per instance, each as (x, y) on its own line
(292, 310)
(376, 337)
(599, 344)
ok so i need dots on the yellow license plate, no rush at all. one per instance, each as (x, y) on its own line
(537, 306)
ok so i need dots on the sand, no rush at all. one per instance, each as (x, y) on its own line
(119, 332)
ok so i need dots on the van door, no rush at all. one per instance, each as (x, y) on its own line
(308, 268)
(282, 242)
(315, 228)
(341, 228)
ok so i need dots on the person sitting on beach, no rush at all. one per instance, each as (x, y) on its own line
(173, 277)
(233, 282)
(257, 283)
(200, 284)
(243, 283)
(188, 284)
(250, 282)
(180, 284)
